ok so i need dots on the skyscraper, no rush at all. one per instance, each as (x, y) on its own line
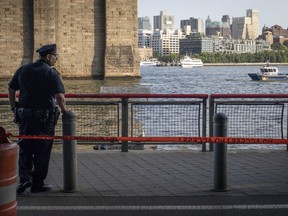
(246, 27)
(226, 19)
(197, 25)
(144, 23)
(254, 27)
(164, 21)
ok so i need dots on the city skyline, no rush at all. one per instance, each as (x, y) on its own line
(269, 13)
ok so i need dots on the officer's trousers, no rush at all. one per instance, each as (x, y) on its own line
(34, 160)
(34, 155)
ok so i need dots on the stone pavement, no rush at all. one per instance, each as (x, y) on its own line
(146, 173)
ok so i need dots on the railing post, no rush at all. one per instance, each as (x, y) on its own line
(211, 114)
(286, 130)
(220, 153)
(204, 125)
(124, 130)
(69, 153)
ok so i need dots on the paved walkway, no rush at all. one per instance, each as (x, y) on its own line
(144, 173)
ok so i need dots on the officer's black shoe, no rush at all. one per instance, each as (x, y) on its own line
(22, 187)
(41, 188)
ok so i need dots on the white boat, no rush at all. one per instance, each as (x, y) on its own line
(268, 73)
(148, 63)
(188, 62)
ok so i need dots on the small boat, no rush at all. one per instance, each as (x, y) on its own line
(148, 63)
(268, 73)
(188, 62)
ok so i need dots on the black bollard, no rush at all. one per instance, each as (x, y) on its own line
(220, 153)
(125, 107)
(69, 153)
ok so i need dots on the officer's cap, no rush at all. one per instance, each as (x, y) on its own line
(47, 49)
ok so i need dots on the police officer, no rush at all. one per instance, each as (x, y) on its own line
(40, 89)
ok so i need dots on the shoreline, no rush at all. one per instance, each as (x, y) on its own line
(204, 64)
(244, 64)
(232, 64)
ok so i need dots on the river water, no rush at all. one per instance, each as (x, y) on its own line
(208, 80)
(177, 80)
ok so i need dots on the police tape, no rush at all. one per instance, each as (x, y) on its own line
(228, 140)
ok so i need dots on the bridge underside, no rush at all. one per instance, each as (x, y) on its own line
(94, 38)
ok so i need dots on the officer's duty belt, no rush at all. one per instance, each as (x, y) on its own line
(38, 113)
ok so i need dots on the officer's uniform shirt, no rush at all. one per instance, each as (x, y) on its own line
(38, 83)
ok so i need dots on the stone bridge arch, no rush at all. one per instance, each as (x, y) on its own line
(95, 38)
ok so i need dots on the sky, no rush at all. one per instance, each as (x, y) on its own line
(270, 12)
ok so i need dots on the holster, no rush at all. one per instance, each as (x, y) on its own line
(16, 116)
(56, 115)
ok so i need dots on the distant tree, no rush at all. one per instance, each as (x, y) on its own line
(164, 59)
(279, 57)
(272, 57)
(280, 54)
(156, 55)
(285, 43)
(278, 46)
(173, 57)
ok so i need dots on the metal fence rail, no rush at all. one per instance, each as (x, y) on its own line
(250, 115)
(261, 119)
(174, 119)
(163, 115)
(95, 118)
(130, 115)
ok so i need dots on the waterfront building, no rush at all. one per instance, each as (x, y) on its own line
(195, 43)
(279, 39)
(267, 35)
(145, 53)
(279, 31)
(144, 38)
(163, 21)
(226, 45)
(145, 44)
(249, 46)
(144, 23)
(262, 45)
(275, 34)
(223, 45)
(246, 27)
(166, 42)
(196, 25)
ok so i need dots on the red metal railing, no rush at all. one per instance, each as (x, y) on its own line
(105, 115)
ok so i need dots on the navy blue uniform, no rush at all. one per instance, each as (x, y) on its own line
(37, 83)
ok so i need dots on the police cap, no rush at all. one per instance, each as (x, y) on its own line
(47, 49)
